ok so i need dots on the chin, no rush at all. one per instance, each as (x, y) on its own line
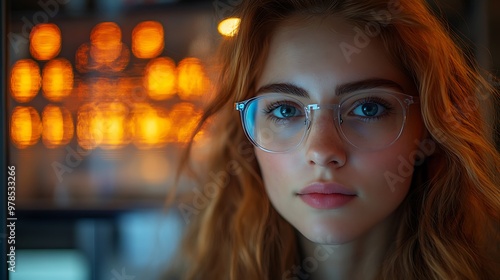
(328, 235)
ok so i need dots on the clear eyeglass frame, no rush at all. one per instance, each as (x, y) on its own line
(403, 99)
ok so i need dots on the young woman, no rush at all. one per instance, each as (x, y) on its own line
(362, 153)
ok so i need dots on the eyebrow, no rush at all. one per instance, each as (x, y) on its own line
(288, 88)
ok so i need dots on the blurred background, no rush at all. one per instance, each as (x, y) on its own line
(100, 97)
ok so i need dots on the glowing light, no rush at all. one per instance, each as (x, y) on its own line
(82, 58)
(25, 80)
(147, 39)
(57, 125)
(82, 91)
(57, 81)
(102, 88)
(45, 41)
(150, 126)
(160, 78)
(229, 26)
(103, 125)
(131, 90)
(121, 62)
(26, 127)
(106, 44)
(192, 81)
(85, 136)
(184, 118)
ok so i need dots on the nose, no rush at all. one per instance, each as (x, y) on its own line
(324, 144)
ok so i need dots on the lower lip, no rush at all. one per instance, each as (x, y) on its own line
(326, 201)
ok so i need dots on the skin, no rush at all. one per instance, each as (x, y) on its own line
(306, 53)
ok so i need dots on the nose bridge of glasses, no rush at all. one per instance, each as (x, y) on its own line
(316, 107)
(325, 119)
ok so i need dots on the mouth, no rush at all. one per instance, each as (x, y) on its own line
(326, 195)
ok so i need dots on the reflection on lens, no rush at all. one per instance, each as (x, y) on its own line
(368, 120)
(375, 128)
(25, 127)
(58, 126)
(275, 122)
(25, 80)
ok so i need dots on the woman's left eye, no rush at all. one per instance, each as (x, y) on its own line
(369, 109)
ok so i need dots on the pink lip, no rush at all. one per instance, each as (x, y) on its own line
(326, 195)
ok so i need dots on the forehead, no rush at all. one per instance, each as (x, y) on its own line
(320, 53)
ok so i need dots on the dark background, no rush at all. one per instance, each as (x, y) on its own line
(106, 228)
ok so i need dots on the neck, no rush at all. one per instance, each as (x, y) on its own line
(358, 259)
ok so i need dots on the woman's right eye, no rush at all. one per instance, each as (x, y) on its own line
(285, 111)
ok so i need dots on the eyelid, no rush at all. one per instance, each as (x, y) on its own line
(339, 99)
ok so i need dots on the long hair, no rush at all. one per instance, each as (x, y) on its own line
(448, 225)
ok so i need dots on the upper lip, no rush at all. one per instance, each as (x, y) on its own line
(326, 188)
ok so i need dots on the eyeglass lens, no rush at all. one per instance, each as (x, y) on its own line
(279, 122)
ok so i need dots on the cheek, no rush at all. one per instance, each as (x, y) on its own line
(276, 170)
(393, 167)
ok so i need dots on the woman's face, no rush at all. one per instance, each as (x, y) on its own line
(327, 189)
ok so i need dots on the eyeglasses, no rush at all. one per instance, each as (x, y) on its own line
(368, 120)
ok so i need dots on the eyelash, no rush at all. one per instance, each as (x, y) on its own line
(387, 106)
(275, 105)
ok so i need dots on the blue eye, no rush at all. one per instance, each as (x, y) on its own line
(285, 111)
(369, 109)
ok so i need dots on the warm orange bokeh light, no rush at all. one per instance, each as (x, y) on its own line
(106, 42)
(229, 26)
(103, 124)
(82, 58)
(147, 39)
(25, 127)
(58, 128)
(184, 117)
(57, 81)
(131, 90)
(45, 41)
(25, 80)
(150, 126)
(192, 80)
(160, 78)
(121, 62)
